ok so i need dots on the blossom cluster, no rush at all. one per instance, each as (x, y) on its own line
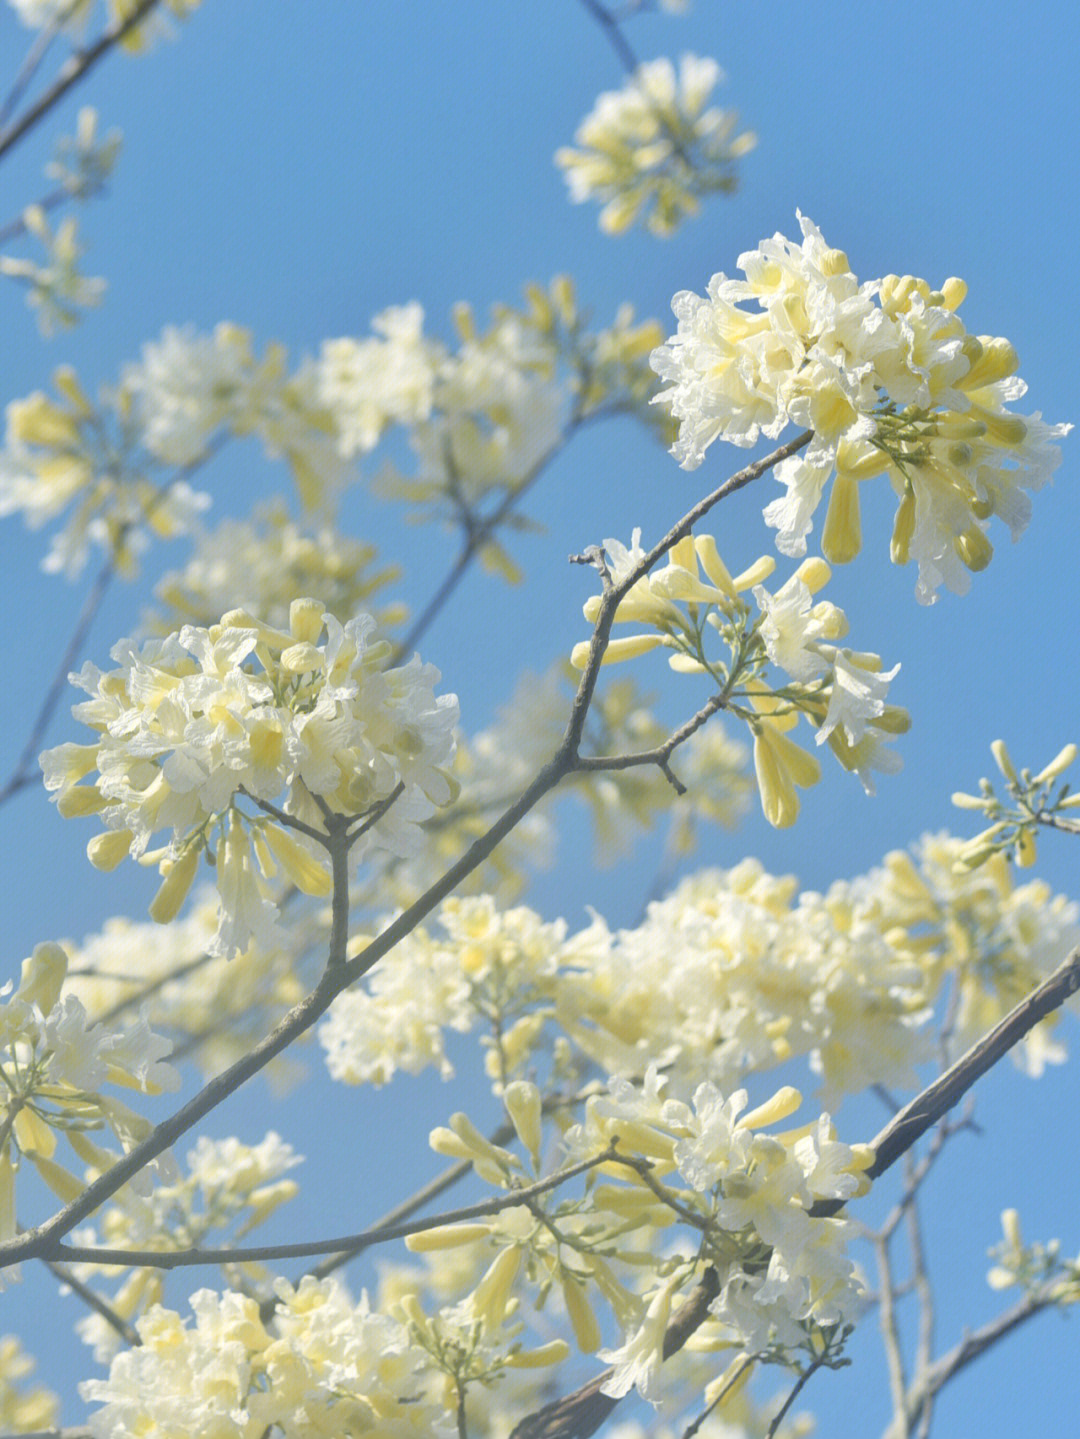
(55, 287)
(733, 973)
(786, 1283)
(842, 693)
(648, 151)
(1034, 800)
(189, 724)
(887, 378)
(53, 1063)
(484, 417)
(1037, 1269)
(262, 563)
(322, 1364)
(23, 1410)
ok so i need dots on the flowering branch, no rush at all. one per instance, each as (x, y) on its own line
(580, 1414)
(41, 1241)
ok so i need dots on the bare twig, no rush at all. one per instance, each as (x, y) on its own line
(24, 771)
(972, 1347)
(75, 69)
(94, 1301)
(382, 1234)
(609, 24)
(890, 1333)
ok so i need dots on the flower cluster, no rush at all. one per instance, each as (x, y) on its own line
(486, 963)
(262, 564)
(889, 381)
(320, 1365)
(650, 150)
(62, 453)
(841, 692)
(22, 1411)
(83, 162)
(1035, 800)
(53, 1062)
(785, 1281)
(1038, 1269)
(190, 723)
(56, 289)
(735, 972)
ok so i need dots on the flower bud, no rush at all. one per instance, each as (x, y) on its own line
(306, 620)
(522, 1101)
(81, 800)
(903, 529)
(841, 539)
(303, 868)
(43, 976)
(106, 851)
(785, 1101)
(446, 1236)
(582, 1317)
(174, 888)
(1061, 761)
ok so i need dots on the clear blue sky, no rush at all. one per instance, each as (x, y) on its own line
(296, 168)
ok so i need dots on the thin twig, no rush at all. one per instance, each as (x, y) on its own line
(924, 1346)
(613, 31)
(972, 1347)
(250, 1254)
(890, 1334)
(94, 1301)
(75, 69)
(23, 773)
(796, 1389)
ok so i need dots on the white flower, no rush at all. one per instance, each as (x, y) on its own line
(857, 696)
(791, 628)
(638, 1361)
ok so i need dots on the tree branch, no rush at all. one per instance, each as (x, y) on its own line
(381, 1234)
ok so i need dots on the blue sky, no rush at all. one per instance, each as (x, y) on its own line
(297, 168)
